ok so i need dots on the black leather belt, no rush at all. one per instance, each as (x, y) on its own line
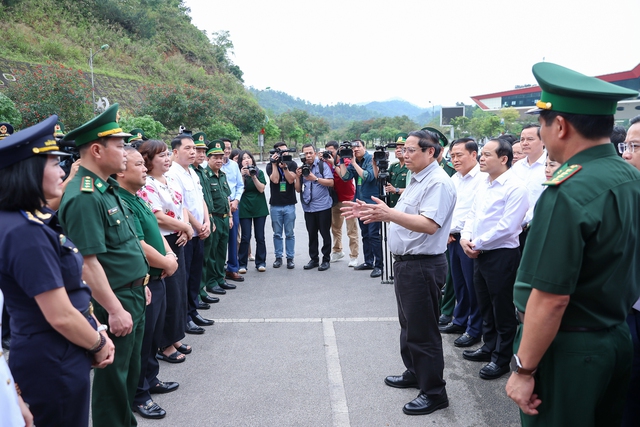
(563, 328)
(219, 215)
(456, 236)
(138, 282)
(153, 278)
(412, 257)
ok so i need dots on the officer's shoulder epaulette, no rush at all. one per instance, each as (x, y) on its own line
(86, 184)
(30, 217)
(562, 174)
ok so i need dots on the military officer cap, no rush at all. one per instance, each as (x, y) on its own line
(441, 138)
(567, 91)
(199, 140)
(215, 147)
(136, 135)
(33, 141)
(104, 125)
(58, 131)
(401, 138)
(5, 130)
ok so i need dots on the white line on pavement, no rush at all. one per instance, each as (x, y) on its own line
(339, 408)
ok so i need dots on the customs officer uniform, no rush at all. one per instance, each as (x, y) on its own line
(584, 245)
(94, 216)
(220, 213)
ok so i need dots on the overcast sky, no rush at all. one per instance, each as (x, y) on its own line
(355, 51)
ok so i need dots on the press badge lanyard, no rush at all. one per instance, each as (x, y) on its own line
(283, 181)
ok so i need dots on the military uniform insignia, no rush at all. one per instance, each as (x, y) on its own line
(31, 218)
(562, 174)
(42, 216)
(3, 129)
(87, 184)
(63, 239)
(112, 211)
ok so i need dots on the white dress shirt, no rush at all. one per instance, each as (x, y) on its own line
(466, 187)
(495, 219)
(191, 190)
(533, 176)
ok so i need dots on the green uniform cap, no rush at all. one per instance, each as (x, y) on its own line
(58, 131)
(215, 147)
(443, 139)
(104, 125)
(199, 139)
(568, 91)
(401, 138)
(136, 135)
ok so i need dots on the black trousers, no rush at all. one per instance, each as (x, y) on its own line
(194, 259)
(319, 222)
(176, 290)
(153, 328)
(418, 285)
(494, 273)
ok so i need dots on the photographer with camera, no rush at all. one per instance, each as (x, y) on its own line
(366, 186)
(345, 191)
(313, 179)
(397, 180)
(253, 210)
(282, 177)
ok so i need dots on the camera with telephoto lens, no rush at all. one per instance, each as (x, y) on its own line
(326, 155)
(381, 157)
(66, 162)
(281, 155)
(345, 151)
(306, 169)
(252, 170)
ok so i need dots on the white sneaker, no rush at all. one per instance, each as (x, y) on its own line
(337, 256)
(353, 262)
(262, 269)
(242, 270)
(252, 258)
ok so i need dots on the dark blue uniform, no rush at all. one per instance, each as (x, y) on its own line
(53, 373)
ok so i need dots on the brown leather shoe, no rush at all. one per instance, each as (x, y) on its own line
(234, 276)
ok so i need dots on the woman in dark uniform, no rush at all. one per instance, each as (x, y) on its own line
(55, 337)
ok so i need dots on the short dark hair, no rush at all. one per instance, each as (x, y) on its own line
(358, 140)
(427, 139)
(309, 145)
(619, 134)
(225, 140)
(21, 185)
(634, 120)
(279, 144)
(469, 144)
(177, 141)
(533, 125)
(333, 144)
(589, 126)
(504, 149)
(241, 155)
(150, 149)
(511, 139)
(84, 147)
(235, 152)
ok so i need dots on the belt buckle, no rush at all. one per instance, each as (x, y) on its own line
(90, 308)
(146, 280)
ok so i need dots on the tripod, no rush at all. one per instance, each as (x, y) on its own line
(387, 279)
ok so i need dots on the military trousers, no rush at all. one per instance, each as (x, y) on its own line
(214, 259)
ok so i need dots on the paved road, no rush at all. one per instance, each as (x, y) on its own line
(310, 348)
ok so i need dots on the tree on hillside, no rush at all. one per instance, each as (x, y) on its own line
(152, 128)
(8, 112)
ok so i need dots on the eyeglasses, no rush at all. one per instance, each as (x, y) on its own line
(410, 150)
(630, 147)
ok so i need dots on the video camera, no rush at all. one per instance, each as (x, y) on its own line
(381, 157)
(282, 155)
(66, 162)
(345, 151)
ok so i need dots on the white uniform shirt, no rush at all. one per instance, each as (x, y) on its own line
(533, 176)
(189, 185)
(495, 219)
(10, 414)
(466, 188)
(430, 193)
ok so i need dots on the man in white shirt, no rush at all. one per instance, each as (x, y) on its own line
(490, 237)
(531, 171)
(236, 185)
(467, 318)
(184, 154)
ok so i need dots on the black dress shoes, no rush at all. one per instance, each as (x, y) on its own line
(423, 404)
(201, 321)
(227, 286)
(193, 329)
(444, 319)
(452, 328)
(492, 371)
(277, 263)
(290, 264)
(164, 387)
(217, 290)
(150, 410)
(233, 276)
(324, 266)
(311, 264)
(376, 272)
(477, 355)
(363, 266)
(466, 340)
(203, 306)
(406, 380)
(209, 299)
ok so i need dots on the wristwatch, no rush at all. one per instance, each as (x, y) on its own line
(516, 366)
(317, 179)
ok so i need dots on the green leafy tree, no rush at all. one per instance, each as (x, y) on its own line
(220, 129)
(8, 112)
(52, 89)
(152, 128)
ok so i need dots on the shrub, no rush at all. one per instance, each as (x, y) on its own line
(8, 112)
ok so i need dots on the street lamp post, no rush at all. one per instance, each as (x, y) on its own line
(93, 87)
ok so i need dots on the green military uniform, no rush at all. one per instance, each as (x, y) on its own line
(220, 191)
(99, 223)
(398, 173)
(583, 243)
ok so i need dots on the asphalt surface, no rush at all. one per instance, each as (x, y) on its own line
(310, 348)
